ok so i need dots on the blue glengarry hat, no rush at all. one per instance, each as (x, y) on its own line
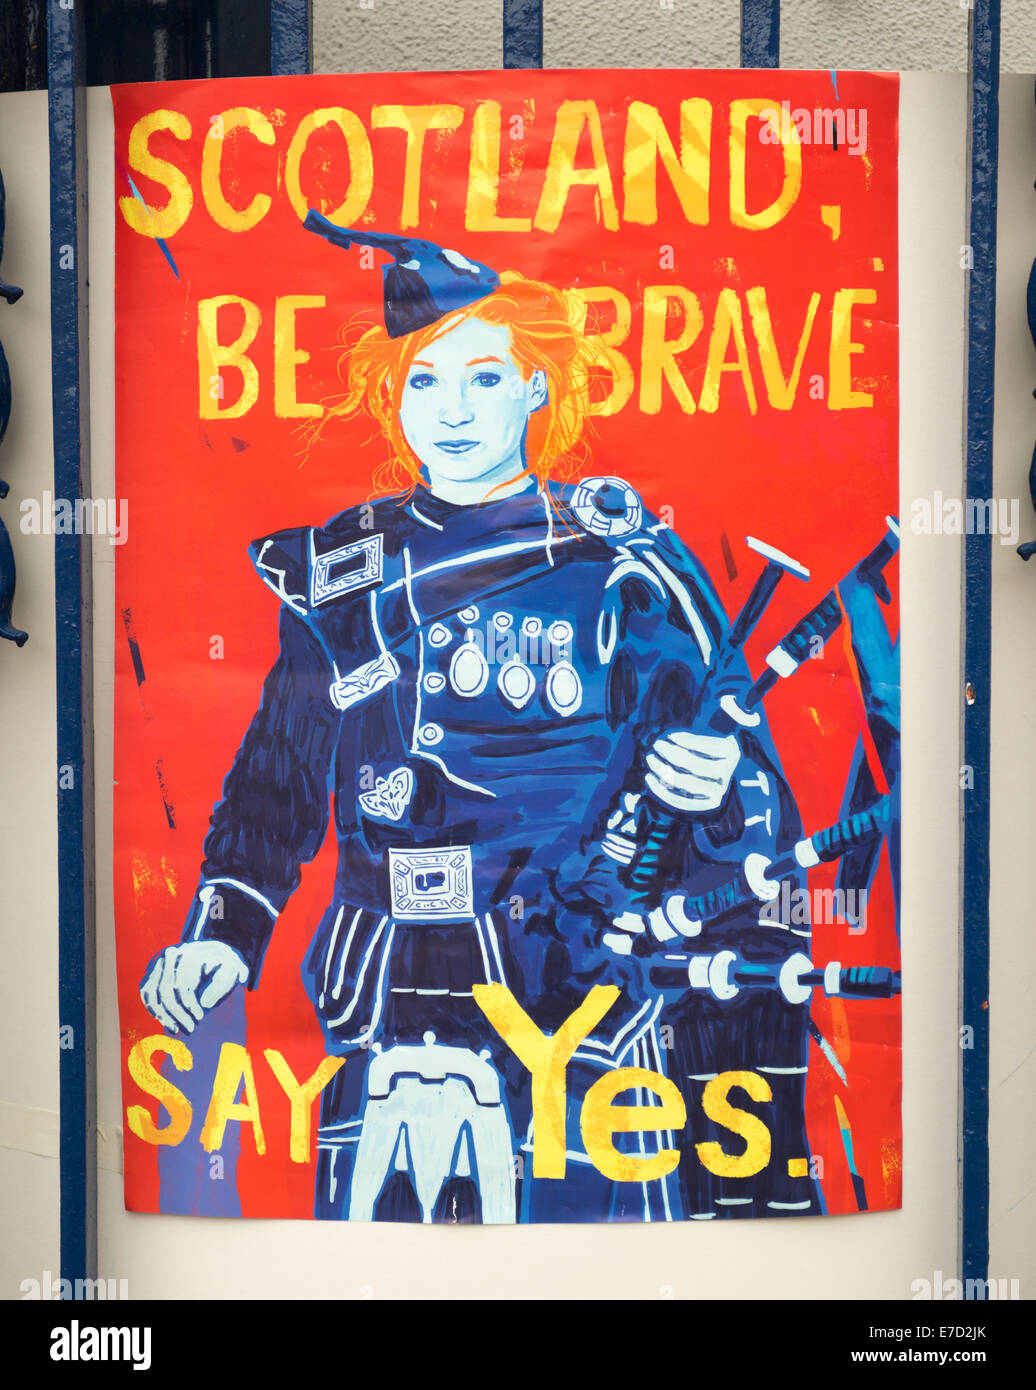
(423, 282)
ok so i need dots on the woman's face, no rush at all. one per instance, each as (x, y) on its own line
(465, 404)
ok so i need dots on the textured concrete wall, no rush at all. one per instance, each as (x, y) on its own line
(396, 35)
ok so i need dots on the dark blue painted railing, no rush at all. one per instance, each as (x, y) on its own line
(73, 661)
(983, 137)
(760, 33)
(290, 38)
(523, 33)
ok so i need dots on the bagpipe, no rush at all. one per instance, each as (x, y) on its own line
(756, 880)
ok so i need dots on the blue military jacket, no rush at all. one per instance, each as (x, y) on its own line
(471, 692)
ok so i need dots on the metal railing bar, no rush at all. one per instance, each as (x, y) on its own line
(73, 652)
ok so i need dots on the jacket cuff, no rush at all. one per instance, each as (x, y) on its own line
(227, 910)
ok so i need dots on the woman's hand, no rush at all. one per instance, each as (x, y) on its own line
(690, 771)
(184, 982)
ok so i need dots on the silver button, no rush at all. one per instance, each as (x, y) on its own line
(516, 683)
(434, 682)
(469, 671)
(439, 635)
(564, 688)
(430, 734)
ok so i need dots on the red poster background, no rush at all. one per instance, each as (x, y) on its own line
(815, 482)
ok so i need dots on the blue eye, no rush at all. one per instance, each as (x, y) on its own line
(420, 380)
(488, 378)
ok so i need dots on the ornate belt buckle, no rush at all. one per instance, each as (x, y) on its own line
(431, 885)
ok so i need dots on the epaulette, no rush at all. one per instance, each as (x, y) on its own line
(282, 562)
(606, 507)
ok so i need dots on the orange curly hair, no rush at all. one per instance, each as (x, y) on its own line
(546, 327)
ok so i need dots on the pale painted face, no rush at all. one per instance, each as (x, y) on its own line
(465, 406)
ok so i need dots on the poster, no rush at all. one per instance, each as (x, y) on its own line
(507, 731)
